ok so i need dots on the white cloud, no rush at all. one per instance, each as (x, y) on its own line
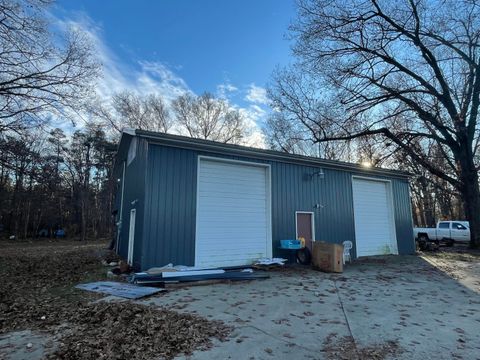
(142, 77)
(225, 90)
(146, 77)
(253, 118)
(155, 77)
(257, 95)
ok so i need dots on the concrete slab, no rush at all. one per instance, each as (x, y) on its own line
(406, 299)
(22, 345)
(294, 314)
(280, 317)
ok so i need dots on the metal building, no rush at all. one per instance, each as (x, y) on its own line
(196, 202)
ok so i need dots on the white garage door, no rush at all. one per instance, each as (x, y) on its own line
(232, 214)
(374, 221)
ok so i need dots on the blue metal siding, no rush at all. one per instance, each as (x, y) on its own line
(170, 207)
(134, 194)
(170, 204)
(403, 217)
(294, 188)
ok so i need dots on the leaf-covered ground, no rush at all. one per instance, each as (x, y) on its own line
(36, 293)
(457, 252)
(344, 348)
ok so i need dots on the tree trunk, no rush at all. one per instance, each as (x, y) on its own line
(445, 204)
(419, 211)
(471, 199)
(37, 226)
(429, 208)
(27, 220)
(83, 224)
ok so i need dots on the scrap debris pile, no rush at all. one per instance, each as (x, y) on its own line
(179, 274)
(156, 279)
(37, 293)
(269, 263)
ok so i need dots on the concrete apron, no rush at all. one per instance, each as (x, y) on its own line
(292, 314)
(278, 317)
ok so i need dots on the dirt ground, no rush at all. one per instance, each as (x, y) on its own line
(458, 262)
(43, 315)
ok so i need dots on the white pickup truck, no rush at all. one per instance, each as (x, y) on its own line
(448, 232)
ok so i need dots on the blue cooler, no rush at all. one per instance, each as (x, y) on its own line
(290, 244)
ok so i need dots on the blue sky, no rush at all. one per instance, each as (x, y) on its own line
(226, 47)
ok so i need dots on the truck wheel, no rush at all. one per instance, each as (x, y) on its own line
(422, 242)
(422, 245)
(423, 238)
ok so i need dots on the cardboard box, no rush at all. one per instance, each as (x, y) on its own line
(327, 257)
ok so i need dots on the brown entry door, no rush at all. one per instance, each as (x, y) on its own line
(304, 222)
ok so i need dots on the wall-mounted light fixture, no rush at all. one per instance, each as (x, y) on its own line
(318, 174)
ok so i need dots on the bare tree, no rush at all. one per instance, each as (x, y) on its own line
(292, 137)
(287, 136)
(48, 182)
(39, 72)
(140, 112)
(405, 71)
(433, 198)
(206, 117)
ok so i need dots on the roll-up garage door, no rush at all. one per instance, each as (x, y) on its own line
(374, 220)
(232, 213)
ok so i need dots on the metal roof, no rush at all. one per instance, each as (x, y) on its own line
(218, 147)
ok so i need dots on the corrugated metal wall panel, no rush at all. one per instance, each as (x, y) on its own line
(170, 206)
(134, 193)
(403, 217)
(296, 188)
